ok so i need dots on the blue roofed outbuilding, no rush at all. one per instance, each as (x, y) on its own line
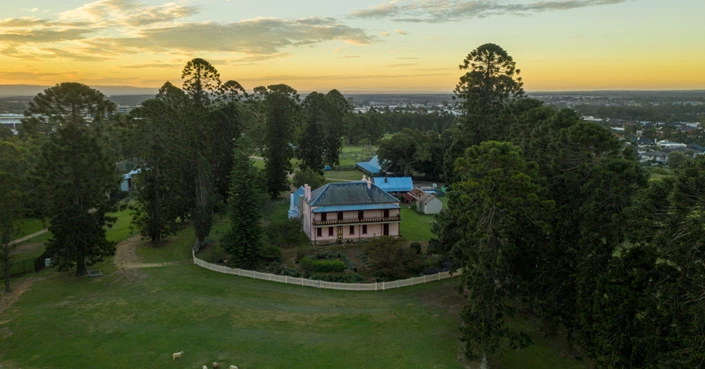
(394, 185)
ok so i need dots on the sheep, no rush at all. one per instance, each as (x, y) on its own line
(204, 367)
(216, 365)
(233, 367)
(177, 355)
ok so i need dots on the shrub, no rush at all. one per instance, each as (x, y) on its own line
(271, 253)
(391, 260)
(416, 246)
(310, 265)
(286, 234)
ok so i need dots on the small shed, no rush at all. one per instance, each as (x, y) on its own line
(429, 204)
(127, 183)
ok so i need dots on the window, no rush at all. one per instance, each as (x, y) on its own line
(364, 229)
(360, 215)
(324, 217)
(330, 231)
(386, 213)
(352, 229)
(319, 232)
(340, 215)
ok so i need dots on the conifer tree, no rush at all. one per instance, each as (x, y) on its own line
(244, 242)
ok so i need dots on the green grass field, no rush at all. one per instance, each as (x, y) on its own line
(27, 226)
(137, 318)
(352, 175)
(414, 226)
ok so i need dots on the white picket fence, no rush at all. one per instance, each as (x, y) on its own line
(376, 286)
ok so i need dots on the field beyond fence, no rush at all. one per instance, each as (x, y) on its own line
(375, 286)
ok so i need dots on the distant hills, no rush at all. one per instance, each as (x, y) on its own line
(31, 90)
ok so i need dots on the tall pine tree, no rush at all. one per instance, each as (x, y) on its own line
(79, 177)
(243, 242)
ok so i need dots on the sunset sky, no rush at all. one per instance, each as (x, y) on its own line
(356, 45)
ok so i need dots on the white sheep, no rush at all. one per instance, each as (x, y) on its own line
(233, 367)
(177, 355)
(216, 365)
(205, 367)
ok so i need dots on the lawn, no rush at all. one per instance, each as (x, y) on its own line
(138, 318)
(118, 232)
(414, 226)
(352, 175)
(27, 226)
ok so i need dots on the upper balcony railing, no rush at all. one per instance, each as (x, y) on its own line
(394, 218)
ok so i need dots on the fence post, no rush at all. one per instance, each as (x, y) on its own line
(382, 285)
(439, 276)
(286, 279)
(302, 281)
(375, 285)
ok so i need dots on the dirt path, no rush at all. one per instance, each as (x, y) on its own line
(126, 256)
(19, 286)
(29, 236)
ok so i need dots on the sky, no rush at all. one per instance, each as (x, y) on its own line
(356, 45)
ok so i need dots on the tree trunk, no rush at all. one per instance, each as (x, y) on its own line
(484, 364)
(6, 265)
(81, 265)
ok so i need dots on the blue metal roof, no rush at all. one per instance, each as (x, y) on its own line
(394, 184)
(299, 192)
(328, 209)
(349, 193)
(371, 166)
(132, 173)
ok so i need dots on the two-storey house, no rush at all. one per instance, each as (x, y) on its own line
(349, 211)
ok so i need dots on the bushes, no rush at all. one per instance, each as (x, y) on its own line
(390, 260)
(271, 253)
(309, 265)
(286, 234)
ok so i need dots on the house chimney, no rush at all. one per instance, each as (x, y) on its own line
(364, 178)
(307, 192)
(369, 184)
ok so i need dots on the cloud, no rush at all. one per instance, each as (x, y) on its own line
(255, 36)
(408, 58)
(110, 28)
(385, 34)
(349, 57)
(431, 38)
(30, 75)
(106, 13)
(287, 78)
(401, 32)
(378, 11)
(437, 11)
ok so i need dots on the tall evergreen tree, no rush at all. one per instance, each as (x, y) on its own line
(500, 201)
(282, 111)
(12, 168)
(338, 112)
(68, 102)
(311, 146)
(244, 242)
(79, 177)
(155, 136)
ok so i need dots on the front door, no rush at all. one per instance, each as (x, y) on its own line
(340, 233)
(386, 229)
